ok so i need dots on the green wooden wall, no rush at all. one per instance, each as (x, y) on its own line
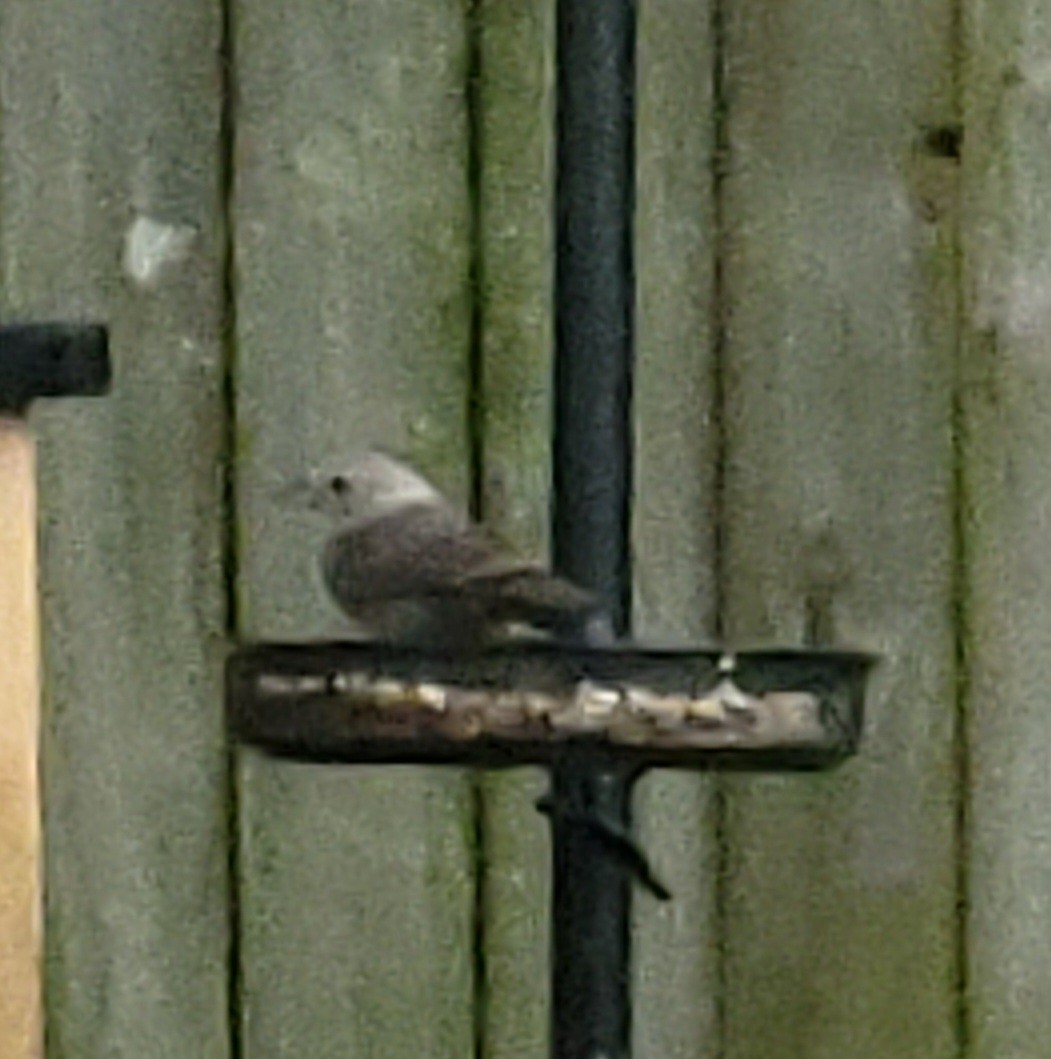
(318, 225)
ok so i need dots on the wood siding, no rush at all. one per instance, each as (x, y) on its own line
(322, 225)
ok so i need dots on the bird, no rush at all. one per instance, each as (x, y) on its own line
(403, 561)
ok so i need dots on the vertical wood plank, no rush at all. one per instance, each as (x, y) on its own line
(21, 855)
(673, 544)
(110, 209)
(515, 101)
(840, 276)
(674, 520)
(1007, 507)
(352, 218)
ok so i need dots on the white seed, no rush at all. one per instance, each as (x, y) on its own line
(432, 697)
(387, 692)
(709, 708)
(537, 704)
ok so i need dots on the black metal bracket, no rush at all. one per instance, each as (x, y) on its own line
(51, 360)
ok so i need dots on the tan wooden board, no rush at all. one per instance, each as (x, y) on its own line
(21, 854)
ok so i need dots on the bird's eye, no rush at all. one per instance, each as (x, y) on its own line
(340, 485)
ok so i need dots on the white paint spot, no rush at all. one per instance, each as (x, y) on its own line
(151, 247)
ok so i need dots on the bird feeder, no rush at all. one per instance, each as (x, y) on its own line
(595, 716)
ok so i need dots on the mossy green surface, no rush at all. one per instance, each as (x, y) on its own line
(353, 226)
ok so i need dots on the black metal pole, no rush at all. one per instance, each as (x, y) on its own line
(594, 295)
(594, 310)
(591, 952)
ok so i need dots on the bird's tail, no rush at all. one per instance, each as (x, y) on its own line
(557, 606)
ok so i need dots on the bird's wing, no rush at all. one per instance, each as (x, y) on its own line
(424, 550)
(528, 592)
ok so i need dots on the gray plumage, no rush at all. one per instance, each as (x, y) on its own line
(405, 563)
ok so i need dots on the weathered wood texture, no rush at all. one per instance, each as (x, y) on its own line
(352, 234)
(673, 529)
(831, 329)
(514, 107)
(110, 209)
(839, 370)
(1006, 403)
(673, 536)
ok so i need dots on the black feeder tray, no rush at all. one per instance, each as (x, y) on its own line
(531, 704)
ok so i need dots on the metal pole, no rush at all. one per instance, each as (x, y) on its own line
(594, 310)
(591, 966)
(594, 296)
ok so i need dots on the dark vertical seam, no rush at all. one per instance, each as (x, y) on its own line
(960, 587)
(228, 463)
(718, 420)
(475, 412)
(480, 998)
(476, 259)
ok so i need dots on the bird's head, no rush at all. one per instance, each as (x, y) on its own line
(371, 486)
